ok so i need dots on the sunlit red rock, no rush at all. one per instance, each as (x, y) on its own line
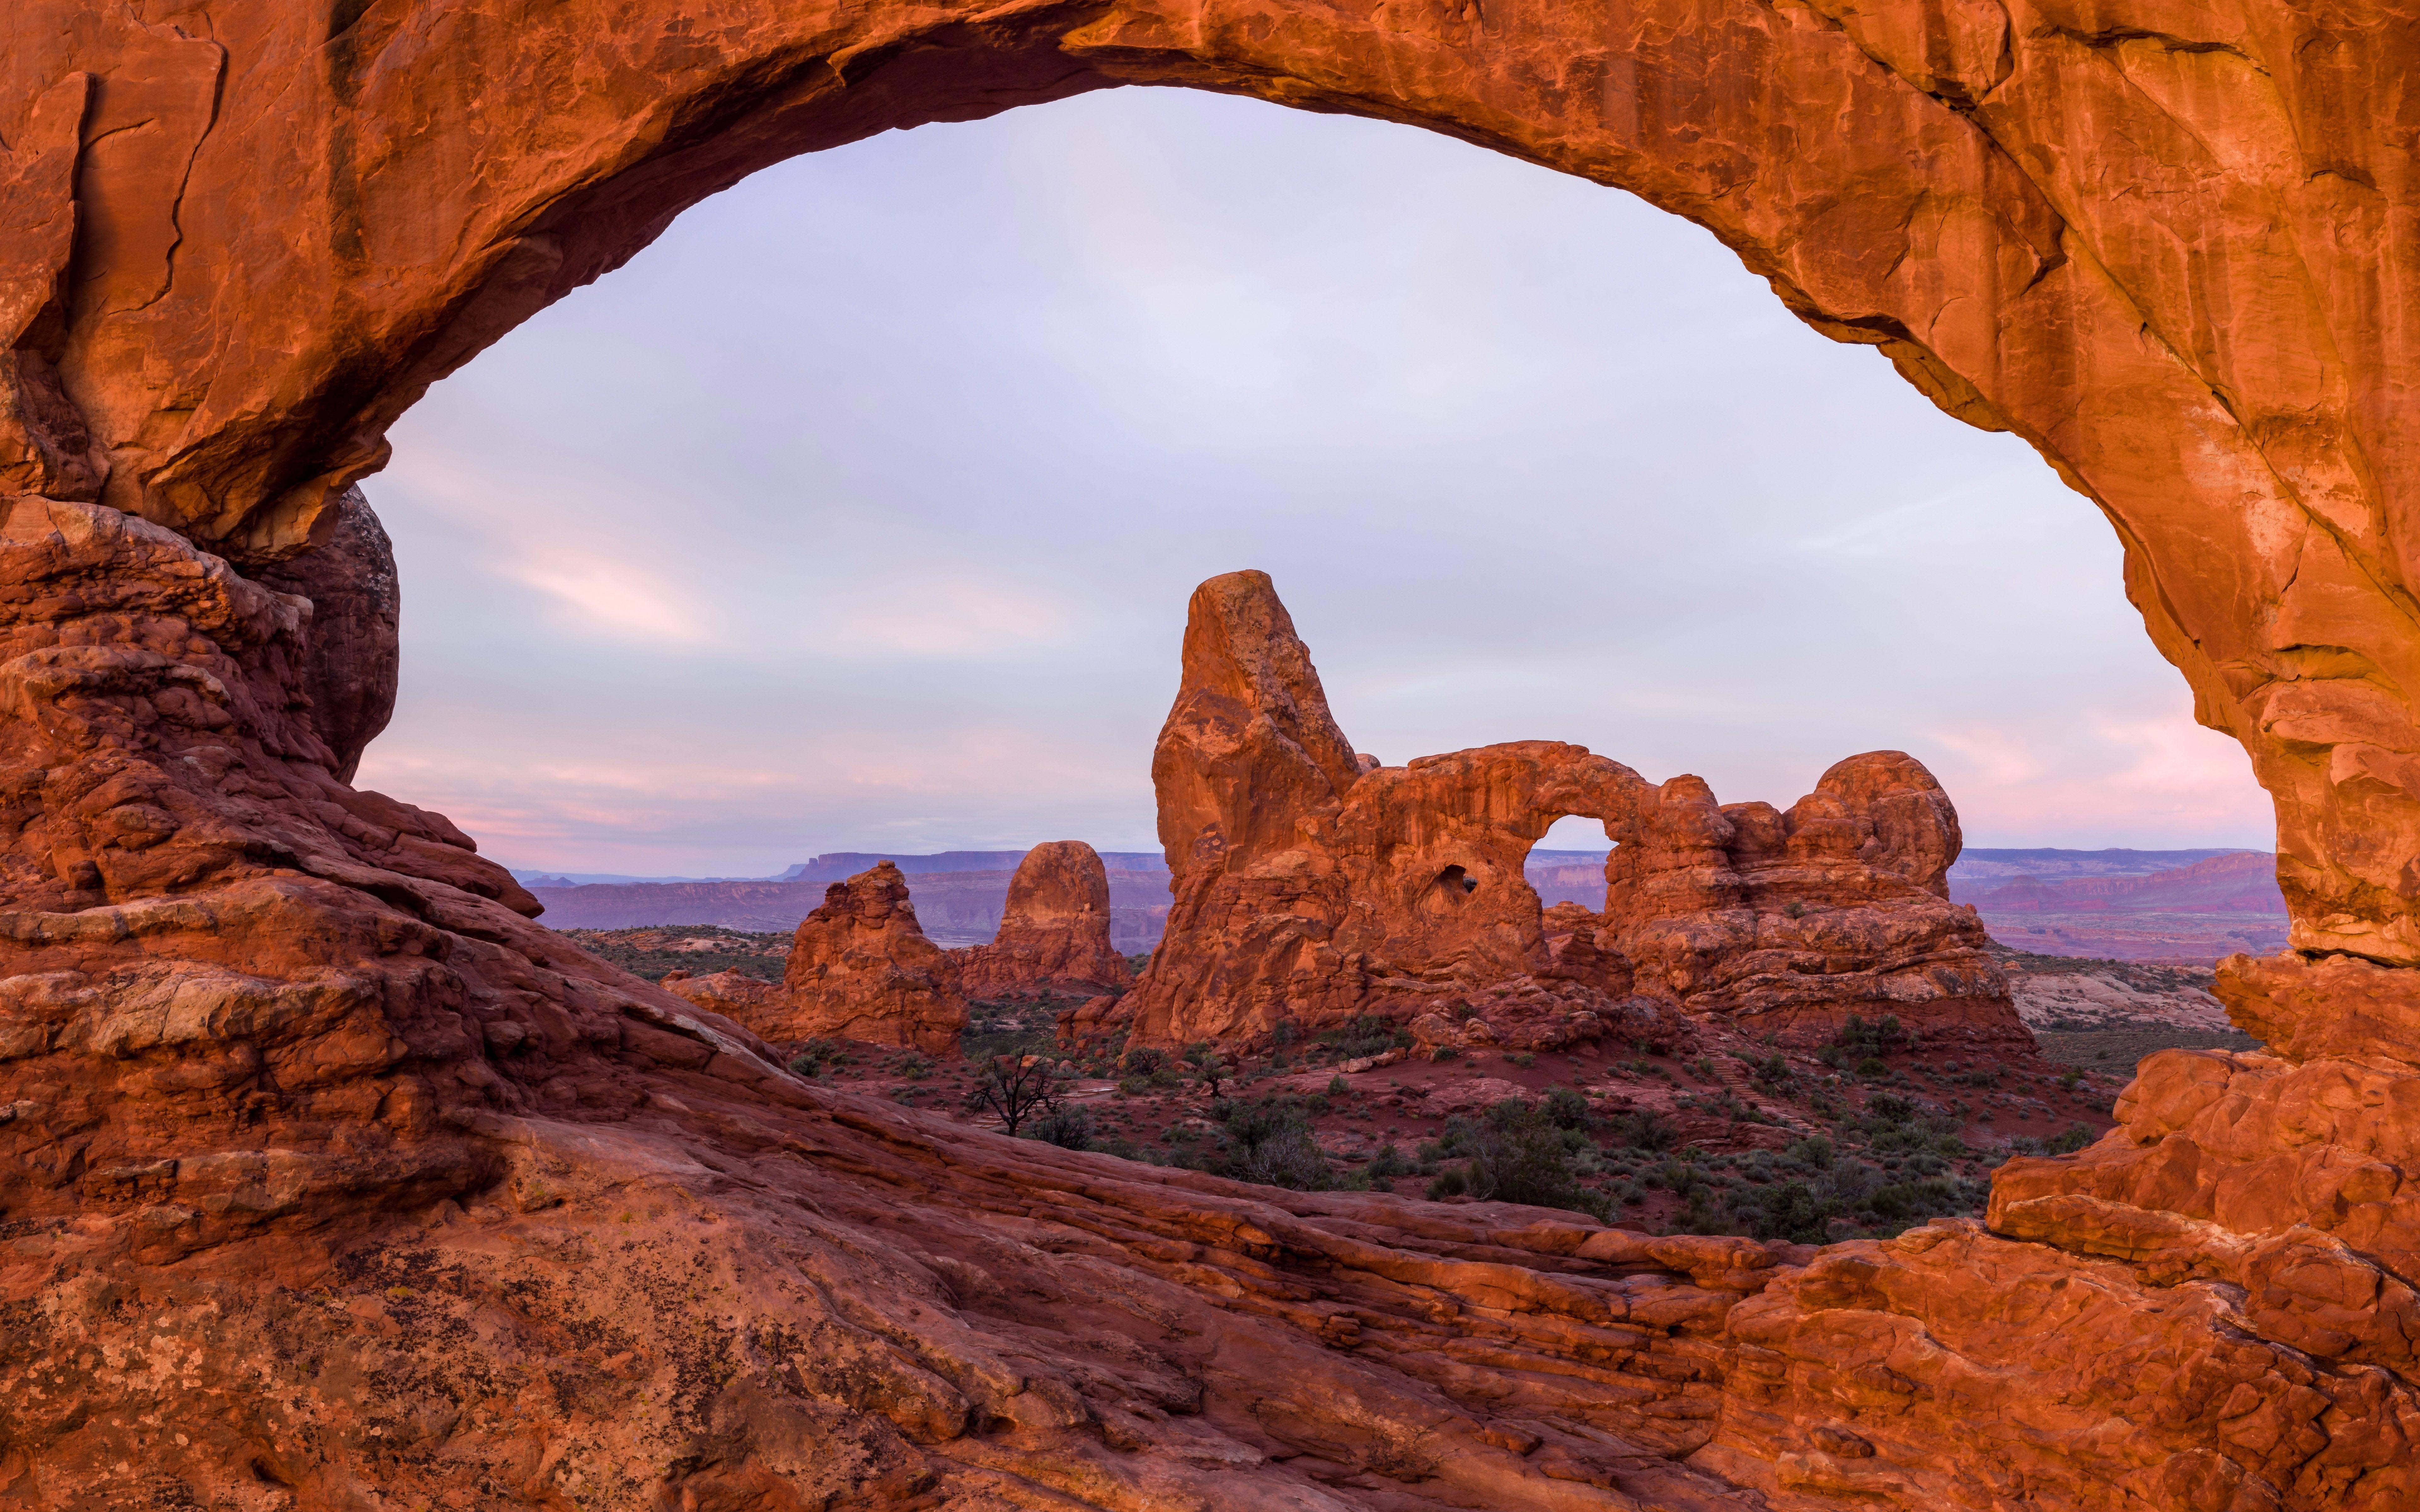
(418, 1204)
(746, 1000)
(1787, 923)
(1400, 890)
(861, 969)
(1054, 934)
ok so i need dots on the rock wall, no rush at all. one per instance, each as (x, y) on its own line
(326, 1176)
(1787, 923)
(861, 969)
(1310, 893)
(1054, 933)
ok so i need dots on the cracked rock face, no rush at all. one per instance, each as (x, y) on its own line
(327, 1176)
(1054, 932)
(1313, 891)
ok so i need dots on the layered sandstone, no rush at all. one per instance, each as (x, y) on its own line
(1054, 933)
(861, 969)
(1788, 923)
(1313, 891)
(328, 1177)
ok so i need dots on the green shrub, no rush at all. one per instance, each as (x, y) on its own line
(816, 1057)
(1269, 1140)
(1516, 1153)
(1643, 1131)
(1066, 1126)
(2075, 1139)
(1368, 1035)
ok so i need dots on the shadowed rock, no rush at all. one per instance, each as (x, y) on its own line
(356, 608)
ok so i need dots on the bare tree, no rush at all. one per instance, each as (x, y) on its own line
(1015, 1087)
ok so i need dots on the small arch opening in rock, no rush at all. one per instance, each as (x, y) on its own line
(1455, 882)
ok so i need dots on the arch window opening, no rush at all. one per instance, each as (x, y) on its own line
(911, 533)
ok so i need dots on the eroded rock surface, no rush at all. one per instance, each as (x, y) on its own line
(1054, 934)
(861, 969)
(421, 1202)
(353, 659)
(329, 1177)
(1788, 923)
(1313, 891)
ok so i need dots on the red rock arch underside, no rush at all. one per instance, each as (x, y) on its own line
(330, 1176)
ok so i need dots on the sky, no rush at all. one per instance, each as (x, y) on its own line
(859, 512)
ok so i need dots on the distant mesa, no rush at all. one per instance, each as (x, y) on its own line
(2197, 908)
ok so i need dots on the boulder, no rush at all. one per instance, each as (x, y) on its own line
(1054, 933)
(861, 969)
(761, 1007)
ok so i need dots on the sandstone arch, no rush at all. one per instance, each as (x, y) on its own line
(277, 1051)
(250, 243)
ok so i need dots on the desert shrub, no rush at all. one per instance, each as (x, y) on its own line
(1773, 1071)
(1643, 1131)
(1523, 1060)
(1014, 1088)
(1814, 1153)
(1889, 1109)
(1207, 1067)
(1339, 1086)
(2075, 1137)
(1269, 1141)
(1873, 1066)
(1069, 1128)
(1516, 1153)
(915, 1067)
(1859, 1038)
(1144, 1061)
(1368, 1035)
(816, 1057)
(1567, 1109)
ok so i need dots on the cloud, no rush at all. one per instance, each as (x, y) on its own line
(861, 509)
